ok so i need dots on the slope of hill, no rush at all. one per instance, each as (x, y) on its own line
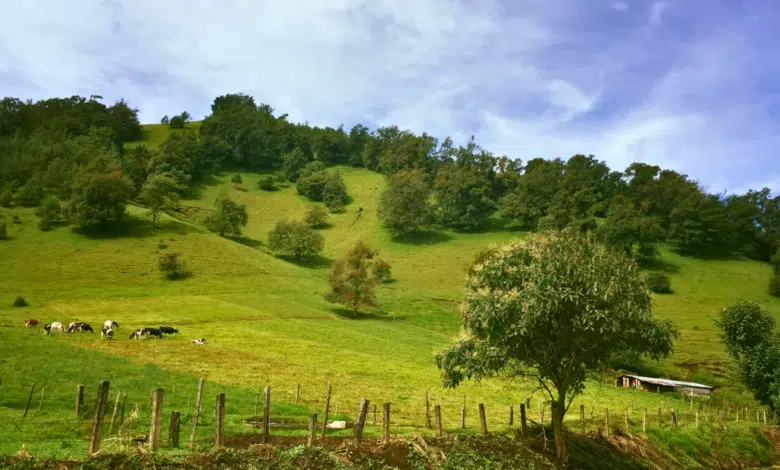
(267, 323)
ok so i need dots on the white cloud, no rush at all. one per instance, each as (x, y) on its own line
(528, 79)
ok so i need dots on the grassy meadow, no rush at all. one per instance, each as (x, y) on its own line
(266, 322)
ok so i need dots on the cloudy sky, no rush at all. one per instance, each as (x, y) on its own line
(691, 85)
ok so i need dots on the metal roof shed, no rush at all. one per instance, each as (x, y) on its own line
(652, 384)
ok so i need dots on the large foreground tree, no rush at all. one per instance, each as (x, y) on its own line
(552, 307)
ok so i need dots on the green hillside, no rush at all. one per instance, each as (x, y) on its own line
(266, 321)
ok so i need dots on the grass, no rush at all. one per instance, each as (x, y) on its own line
(266, 321)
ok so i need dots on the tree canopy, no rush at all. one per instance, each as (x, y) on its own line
(404, 206)
(354, 277)
(552, 307)
(228, 217)
(295, 238)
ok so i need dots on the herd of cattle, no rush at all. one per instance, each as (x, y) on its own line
(107, 331)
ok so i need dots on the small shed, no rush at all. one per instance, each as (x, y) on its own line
(651, 384)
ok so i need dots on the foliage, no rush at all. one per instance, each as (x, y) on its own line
(404, 206)
(774, 286)
(176, 122)
(228, 217)
(293, 163)
(266, 183)
(236, 180)
(626, 228)
(312, 181)
(316, 216)
(20, 302)
(295, 238)
(463, 198)
(334, 194)
(381, 270)
(748, 333)
(49, 212)
(100, 194)
(165, 120)
(31, 193)
(354, 277)
(561, 290)
(659, 283)
(160, 193)
(171, 265)
(3, 228)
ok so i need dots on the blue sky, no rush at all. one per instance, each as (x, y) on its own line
(689, 85)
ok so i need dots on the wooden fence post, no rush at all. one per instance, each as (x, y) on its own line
(29, 399)
(660, 418)
(697, 420)
(122, 412)
(196, 412)
(312, 429)
(361, 421)
(325, 415)
(374, 414)
(386, 423)
(674, 419)
(427, 412)
(156, 419)
(523, 422)
(606, 421)
(482, 420)
(437, 413)
(173, 429)
(511, 415)
(644, 421)
(257, 398)
(113, 415)
(298, 394)
(582, 419)
(79, 398)
(463, 416)
(40, 403)
(266, 413)
(97, 421)
(219, 439)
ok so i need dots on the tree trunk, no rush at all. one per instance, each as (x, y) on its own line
(558, 412)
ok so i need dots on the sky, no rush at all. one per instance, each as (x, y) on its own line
(690, 85)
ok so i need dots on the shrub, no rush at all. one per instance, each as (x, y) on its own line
(659, 283)
(162, 245)
(774, 286)
(15, 219)
(171, 265)
(312, 181)
(6, 196)
(20, 302)
(31, 193)
(3, 229)
(228, 217)
(49, 211)
(381, 270)
(45, 224)
(295, 238)
(316, 216)
(266, 183)
(334, 194)
(236, 179)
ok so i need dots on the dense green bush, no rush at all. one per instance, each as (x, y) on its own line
(774, 286)
(3, 229)
(316, 216)
(295, 238)
(659, 283)
(20, 302)
(266, 183)
(171, 265)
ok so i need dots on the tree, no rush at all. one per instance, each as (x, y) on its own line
(354, 277)
(160, 194)
(31, 193)
(185, 116)
(312, 181)
(463, 198)
(236, 179)
(553, 307)
(316, 216)
(266, 183)
(381, 270)
(228, 217)
(626, 227)
(100, 193)
(748, 333)
(49, 212)
(165, 120)
(293, 163)
(295, 238)
(176, 122)
(334, 194)
(404, 206)
(171, 265)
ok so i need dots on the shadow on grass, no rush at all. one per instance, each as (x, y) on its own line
(709, 255)
(313, 262)
(134, 227)
(423, 237)
(197, 189)
(324, 226)
(250, 242)
(660, 265)
(351, 315)
(179, 276)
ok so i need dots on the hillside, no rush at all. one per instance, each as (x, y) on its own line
(267, 323)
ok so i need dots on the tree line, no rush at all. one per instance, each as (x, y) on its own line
(60, 147)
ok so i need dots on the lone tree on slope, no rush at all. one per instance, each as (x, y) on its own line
(561, 290)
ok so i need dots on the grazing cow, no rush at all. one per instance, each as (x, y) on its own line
(56, 326)
(167, 330)
(30, 322)
(72, 326)
(107, 333)
(151, 332)
(83, 327)
(47, 329)
(135, 334)
(199, 341)
(110, 324)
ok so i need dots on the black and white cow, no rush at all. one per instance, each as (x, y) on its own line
(49, 328)
(167, 330)
(199, 341)
(136, 334)
(84, 327)
(107, 333)
(151, 332)
(111, 324)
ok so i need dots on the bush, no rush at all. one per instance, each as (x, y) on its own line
(15, 219)
(20, 302)
(236, 179)
(162, 245)
(334, 194)
(316, 216)
(659, 283)
(774, 286)
(295, 238)
(266, 183)
(381, 270)
(31, 193)
(49, 211)
(3, 229)
(312, 181)
(171, 265)
(6, 196)
(45, 224)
